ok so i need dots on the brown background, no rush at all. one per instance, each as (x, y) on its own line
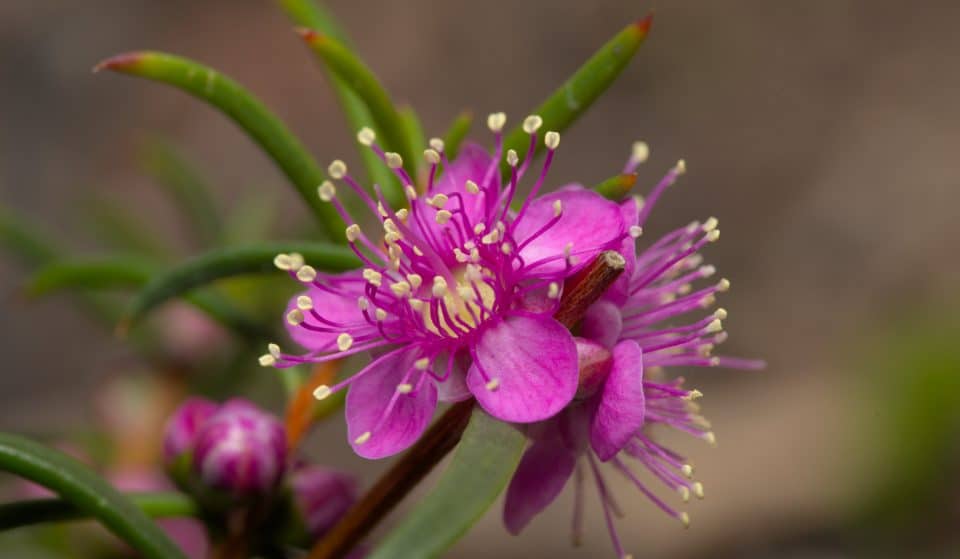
(823, 134)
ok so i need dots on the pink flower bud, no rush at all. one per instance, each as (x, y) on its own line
(321, 497)
(182, 428)
(241, 451)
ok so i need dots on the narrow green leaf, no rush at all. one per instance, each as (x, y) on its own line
(416, 138)
(456, 133)
(314, 16)
(187, 188)
(616, 187)
(244, 109)
(579, 92)
(40, 511)
(21, 239)
(479, 470)
(358, 77)
(223, 263)
(90, 493)
(97, 273)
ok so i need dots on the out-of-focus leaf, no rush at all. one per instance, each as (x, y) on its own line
(88, 492)
(118, 228)
(456, 133)
(251, 218)
(223, 263)
(98, 273)
(479, 470)
(579, 92)
(365, 84)
(39, 511)
(416, 139)
(244, 109)
(187, 187)
(21, 239)
(616, 187)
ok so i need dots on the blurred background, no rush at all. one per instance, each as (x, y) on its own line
(822, 134)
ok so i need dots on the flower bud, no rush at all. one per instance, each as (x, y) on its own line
(181, 429)
(240, 452)
(321, 497)
(594, 362)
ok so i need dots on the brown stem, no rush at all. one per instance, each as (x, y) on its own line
(580, 291)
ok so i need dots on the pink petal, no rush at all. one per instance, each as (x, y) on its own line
(374, 406)
(589, 221)
(620, 290)
(471, 163)
(455, 388)
(533, 362)
(602, 323)
(620, 412)
(337, 308)
(544, 470)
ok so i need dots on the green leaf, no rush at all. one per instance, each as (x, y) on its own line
(21, 239)
(616, 187)
(187, 188)
(223, 263)
(479, 470)
(416, 138)
(314, 16)
(578, 93)
(456, 133)
(365, 84)
(90, 493)
(244, 109)
(98, 273)
(39, 511)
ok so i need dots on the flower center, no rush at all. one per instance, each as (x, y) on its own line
(463, 306)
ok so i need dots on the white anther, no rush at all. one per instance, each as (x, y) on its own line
(432, 156)
(337, 169)
(710, 438)
(684, 493)
(282, 261)
(362, 438)
(693, 395)
(439, 286)
(532, 123)
(400, 288)
(723, 285)
(411, 192)
(416, 304)
(681, 167)
(380, 314)
(710, 224)
(366, 136)
(479, 228)
(698, 490)
(402, 214)
(322, 391)
(437, 144)
(438, 201)
(344, 341)
(304, 303)
(714, 326)
(373, 277)
(363, 303)
(720, 314)
(471, 187)
(394, 161)
(415, 280)
(506, 248)
(714, 361)
(512, 158)
(636, 231)
(459, 255)
(495, 122)
(392, 237)
(267, 360)
(389, 226)
(640, 152)
(685, 519)
(567, 250)
(551, 140)
(466, 293)
(707, 271)
(274, 350)
(491, 237)
(295, 317)
(326, 191)
(493, 384)
(557, 208)
(404, 388)
(687, 471)
(422, 363)
(553, 290)
(713, 236)
(306, 273)
(353, 232)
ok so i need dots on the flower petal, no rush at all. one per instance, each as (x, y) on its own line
(602, 323)
(620, 412)
(589, 222)
(375, 406)
(543, 471)
(471, 164)
(455, 388)
(340, 308)
(619, 292)
(532, 361)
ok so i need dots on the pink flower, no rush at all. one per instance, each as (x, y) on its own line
(321, 496)
(456, 298)
(625, 339)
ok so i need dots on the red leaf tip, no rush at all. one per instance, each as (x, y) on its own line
(643, 24)
(309, 35)
(119, 62)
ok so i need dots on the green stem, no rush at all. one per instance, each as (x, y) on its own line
(39, 511)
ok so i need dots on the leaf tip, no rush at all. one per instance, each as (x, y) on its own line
(643, 24)
(120, 62)
(311, 36)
